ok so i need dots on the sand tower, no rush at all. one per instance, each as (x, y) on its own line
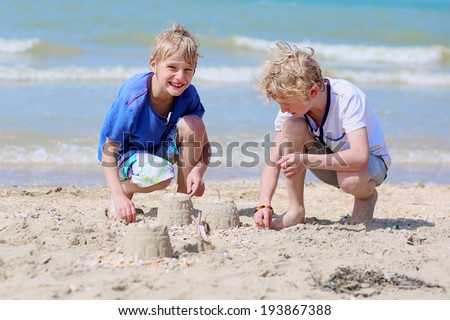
(220, 213)
(147, 240)
(175, 209)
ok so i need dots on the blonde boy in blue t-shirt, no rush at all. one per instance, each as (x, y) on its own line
(154, 122)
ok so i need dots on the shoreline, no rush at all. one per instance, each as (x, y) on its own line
(57, 244)
(93, 176)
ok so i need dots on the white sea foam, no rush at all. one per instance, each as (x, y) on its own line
(117, 73)
(29, 74)
(409, 55)
(432, 157)
(12, 46)
(66, 154)
(224, 75)
(62, 154)
(403, 55)
(394, 77)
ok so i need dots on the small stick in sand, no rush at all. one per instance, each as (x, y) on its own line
(175, 188)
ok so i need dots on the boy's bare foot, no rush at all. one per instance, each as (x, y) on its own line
(288, 219)
(363, 210)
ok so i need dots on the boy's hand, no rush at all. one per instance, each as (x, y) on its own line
(195, 184)
(291, 164)
(123, 209)
(263, 218)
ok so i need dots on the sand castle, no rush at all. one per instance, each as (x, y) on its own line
(220, 213)
(175, 209)
(147, 240)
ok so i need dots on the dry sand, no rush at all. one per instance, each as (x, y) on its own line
(56, 243)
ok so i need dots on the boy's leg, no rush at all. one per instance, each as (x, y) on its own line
(362, 185)
(296, 210)
(363, 209)
(296, 139)
(129, 188)
(191, 138)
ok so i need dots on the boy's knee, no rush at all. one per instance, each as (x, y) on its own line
(191, 125)
(296, 129)
(164, 184)
(350, 184)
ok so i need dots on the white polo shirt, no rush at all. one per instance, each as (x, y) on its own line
(347, 110)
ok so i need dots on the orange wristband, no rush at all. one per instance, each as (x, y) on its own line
(265, 206)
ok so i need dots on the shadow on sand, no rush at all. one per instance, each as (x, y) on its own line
(394, 224)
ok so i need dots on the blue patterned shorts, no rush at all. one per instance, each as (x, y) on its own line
(147, 169)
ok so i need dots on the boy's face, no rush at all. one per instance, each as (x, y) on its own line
(174, 75)
(293, 105)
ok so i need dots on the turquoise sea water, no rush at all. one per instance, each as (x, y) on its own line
(62, 63)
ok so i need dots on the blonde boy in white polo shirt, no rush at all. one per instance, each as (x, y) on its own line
(325, 125)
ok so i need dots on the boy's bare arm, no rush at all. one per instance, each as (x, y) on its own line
(123, 207)
(268, 184)
(353, 159)
(109, 156)
(195, 184)
(203, 163)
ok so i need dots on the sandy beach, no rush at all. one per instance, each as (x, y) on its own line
(56, 243)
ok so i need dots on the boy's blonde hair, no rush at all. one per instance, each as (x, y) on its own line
(289, 71)
(176, 40)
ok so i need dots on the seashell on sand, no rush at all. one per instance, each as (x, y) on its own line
(147, 240)
(175, 210)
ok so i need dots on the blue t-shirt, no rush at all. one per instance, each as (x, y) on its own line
(132, 121)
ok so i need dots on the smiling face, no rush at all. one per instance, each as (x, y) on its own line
(171, 76)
